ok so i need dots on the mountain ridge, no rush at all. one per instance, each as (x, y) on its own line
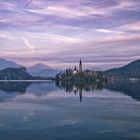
(7, 64)
(38, 69)
(130, 70)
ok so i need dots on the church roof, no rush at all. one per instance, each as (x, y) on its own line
(75, 69)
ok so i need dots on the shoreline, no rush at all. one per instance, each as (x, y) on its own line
(26, 80)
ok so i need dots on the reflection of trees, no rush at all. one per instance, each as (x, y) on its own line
(19, 87)
(79, 87)
(73, 86)
(126, 87)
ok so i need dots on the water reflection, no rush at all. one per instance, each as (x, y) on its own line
(45, 108)
(79, 87)
(126, 87)
(18, 87)
(10, 91)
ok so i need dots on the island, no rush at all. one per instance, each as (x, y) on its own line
(80, 75)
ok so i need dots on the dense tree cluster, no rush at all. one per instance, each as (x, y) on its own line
(131, 70)
(15, 74)
(86, 75)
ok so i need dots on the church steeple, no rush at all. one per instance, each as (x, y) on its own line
(80, 66)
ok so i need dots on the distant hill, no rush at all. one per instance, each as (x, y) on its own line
(42, 70)
(14, 74)
(38, 69)
(131, 70)
(7, 64)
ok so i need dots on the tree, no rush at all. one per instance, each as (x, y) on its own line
(23, 69)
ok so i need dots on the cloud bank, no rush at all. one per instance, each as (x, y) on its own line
(103, 33)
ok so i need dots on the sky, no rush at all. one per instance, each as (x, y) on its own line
(103, 33)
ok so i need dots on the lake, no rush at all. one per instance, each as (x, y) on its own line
(69, 111)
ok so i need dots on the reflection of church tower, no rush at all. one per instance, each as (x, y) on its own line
(80, 66)
(80, 94)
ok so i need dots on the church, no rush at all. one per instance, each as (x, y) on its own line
(75, 70)
(78, 74)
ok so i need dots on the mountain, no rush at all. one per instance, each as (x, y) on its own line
(131, 70)
(37, 67)
(42, 70)
(7, 64)
(14, 74)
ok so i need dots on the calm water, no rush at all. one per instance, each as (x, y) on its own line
(66, 111)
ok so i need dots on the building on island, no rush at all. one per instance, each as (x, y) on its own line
(75, 70)
(80, 74)
(80, 66)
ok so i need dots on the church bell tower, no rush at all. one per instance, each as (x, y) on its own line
(80, 66)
